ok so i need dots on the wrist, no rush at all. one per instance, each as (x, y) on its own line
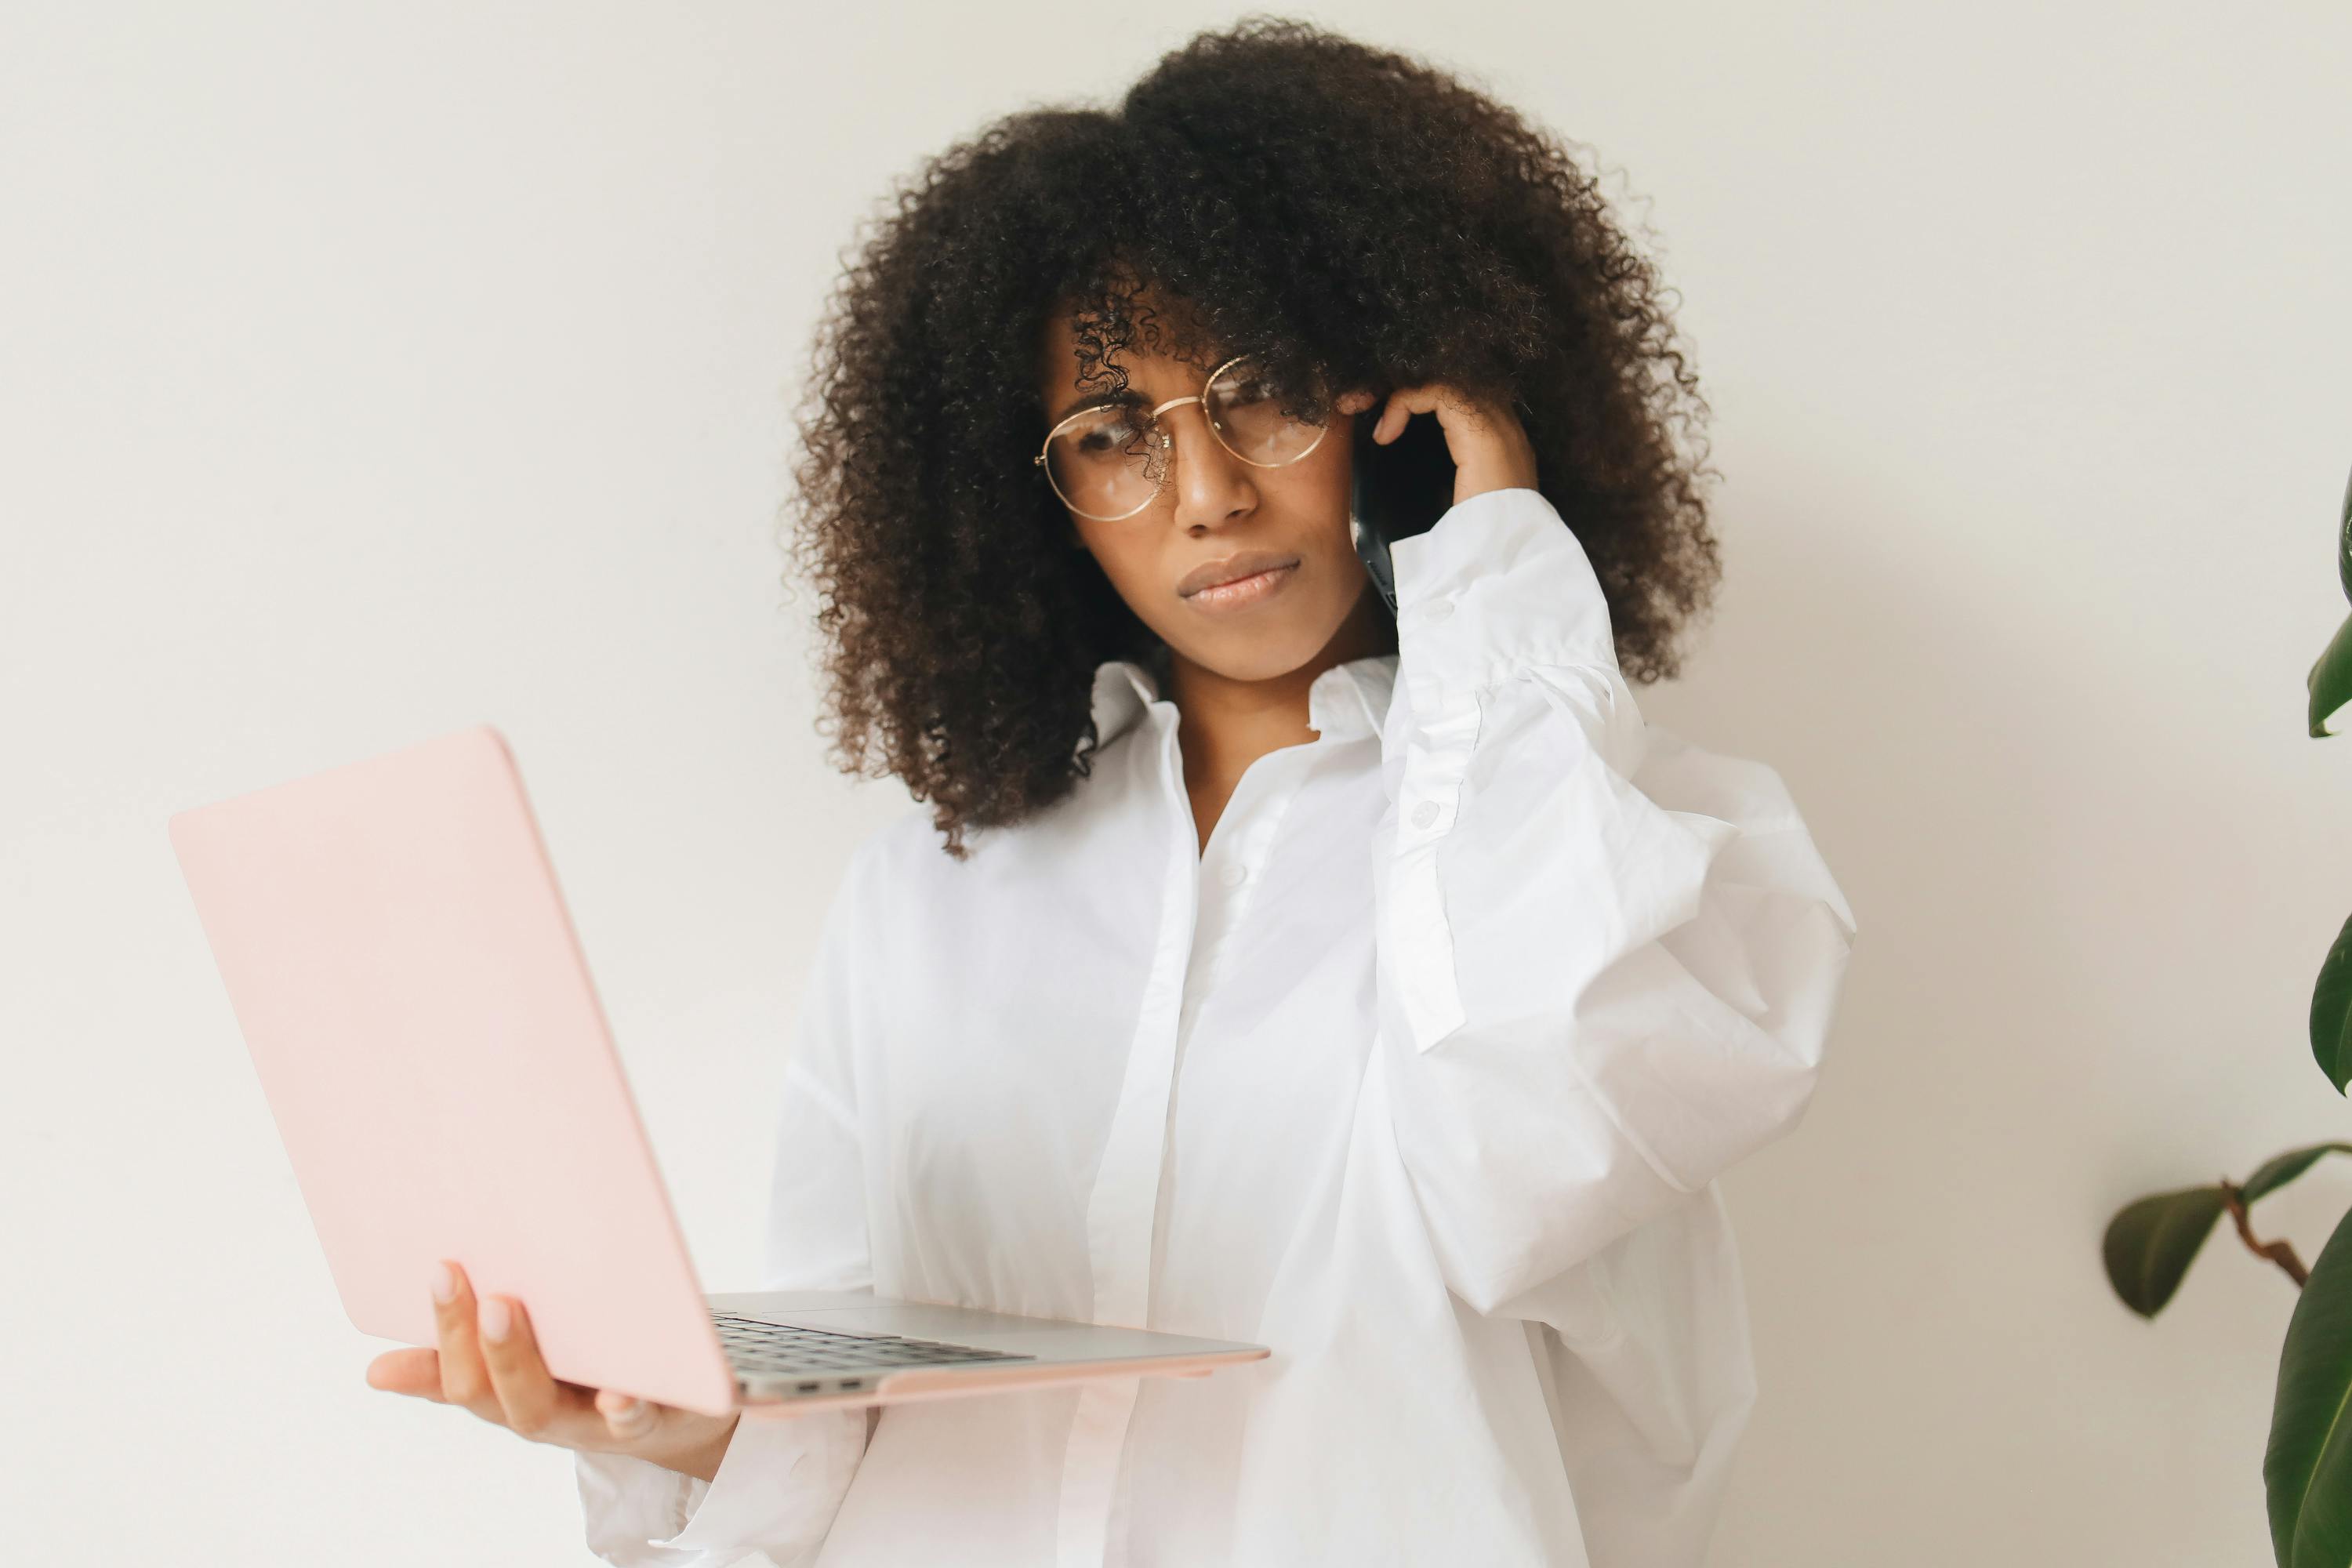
(702, 1460)
(1470, 483)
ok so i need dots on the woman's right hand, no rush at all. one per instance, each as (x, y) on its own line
(489, 1362)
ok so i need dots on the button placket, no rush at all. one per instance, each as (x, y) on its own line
(1238, 859)
(1209, 909)
(1121, 1212)
(1233, 872)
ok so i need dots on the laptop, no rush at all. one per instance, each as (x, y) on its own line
(401, 962)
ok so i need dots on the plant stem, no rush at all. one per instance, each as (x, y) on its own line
(2279, 1252)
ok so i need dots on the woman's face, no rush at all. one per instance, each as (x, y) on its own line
(1283, 531)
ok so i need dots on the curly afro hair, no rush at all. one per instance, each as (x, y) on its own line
(1358, 219)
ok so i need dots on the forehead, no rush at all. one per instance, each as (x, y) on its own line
(1165, 346)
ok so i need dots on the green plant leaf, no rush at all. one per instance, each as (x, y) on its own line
(2278, 1172)
(2150, 1243)
(2307, 1468)
(2331, 1011)
(2343, 543)
(2329, 679)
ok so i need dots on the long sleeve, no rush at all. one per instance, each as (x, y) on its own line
(781, 1480)
(1595, 994)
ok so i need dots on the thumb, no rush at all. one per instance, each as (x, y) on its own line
(624, 1416)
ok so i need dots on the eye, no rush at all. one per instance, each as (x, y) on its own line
(1115, 431)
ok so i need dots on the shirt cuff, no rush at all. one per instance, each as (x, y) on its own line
(776, 1491)
(1499, 583)
(631, 1503)
(777, 1485)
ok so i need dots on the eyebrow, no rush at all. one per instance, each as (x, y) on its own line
(1096, 400)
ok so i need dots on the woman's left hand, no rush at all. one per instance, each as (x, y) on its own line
(488, 1362)
(1490, 447)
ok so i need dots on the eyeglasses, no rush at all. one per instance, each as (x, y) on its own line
(1111, 461)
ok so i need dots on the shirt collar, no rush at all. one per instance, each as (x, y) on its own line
(1347, 701)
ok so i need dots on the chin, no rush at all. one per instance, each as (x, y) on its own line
(1265, 655)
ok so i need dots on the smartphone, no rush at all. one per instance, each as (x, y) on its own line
(1397, 491)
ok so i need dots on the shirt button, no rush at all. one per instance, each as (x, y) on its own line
(1233, 875)
(1424, 814)
(1438, 610)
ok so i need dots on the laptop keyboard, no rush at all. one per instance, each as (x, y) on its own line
(820, 1355)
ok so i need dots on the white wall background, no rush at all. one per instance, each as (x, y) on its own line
(366, 371)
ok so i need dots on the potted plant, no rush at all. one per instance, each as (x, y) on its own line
(2149, 1246)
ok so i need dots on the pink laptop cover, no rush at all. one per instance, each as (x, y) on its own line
(414, 998)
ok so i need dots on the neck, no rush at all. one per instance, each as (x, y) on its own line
(1224, 724)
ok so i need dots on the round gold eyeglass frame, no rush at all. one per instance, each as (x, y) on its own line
(1166, 442)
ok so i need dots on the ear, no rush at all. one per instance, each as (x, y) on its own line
(1354, 402)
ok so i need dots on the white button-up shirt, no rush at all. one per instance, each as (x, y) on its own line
(1421, 1073)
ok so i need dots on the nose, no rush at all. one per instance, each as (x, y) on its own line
(1211, 485)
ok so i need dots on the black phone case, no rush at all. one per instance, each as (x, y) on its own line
(1396, 491)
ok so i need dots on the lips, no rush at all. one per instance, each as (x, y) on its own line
(1233, 569)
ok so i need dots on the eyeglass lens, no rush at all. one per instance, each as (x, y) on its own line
(1109, 462)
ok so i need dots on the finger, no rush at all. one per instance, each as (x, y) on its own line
(465, 1380)
(1402, 404)
(413, 1370)
(535, 1405)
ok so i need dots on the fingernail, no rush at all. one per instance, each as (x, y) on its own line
(495, 1320)
(445, 1282)
(631, 1414)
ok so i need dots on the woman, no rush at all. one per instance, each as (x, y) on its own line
(1379, 988)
